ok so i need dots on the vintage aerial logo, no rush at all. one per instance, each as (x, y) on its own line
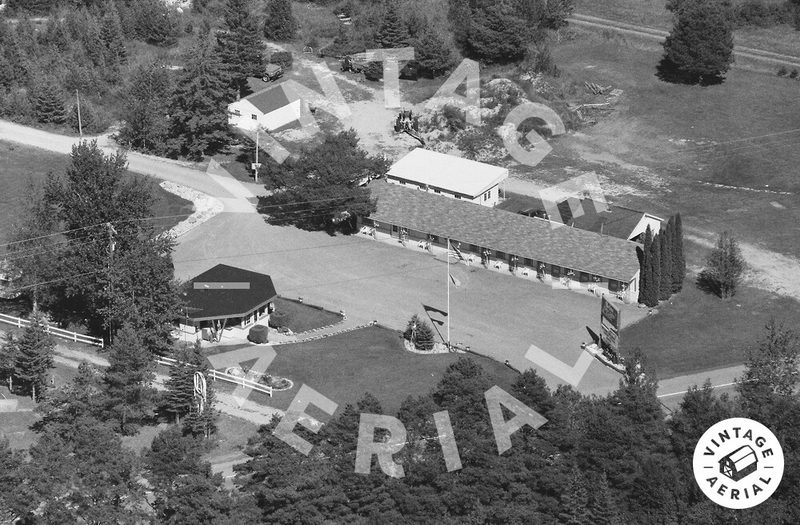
(738, 463)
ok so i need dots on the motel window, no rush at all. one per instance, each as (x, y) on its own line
(527, 262)
(394, 227)
(585, 277)
(556, 271)
(613, 285)
(437, 190)
(500, 255)
(254, 117)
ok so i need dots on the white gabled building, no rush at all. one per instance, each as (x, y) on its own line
(273, 108)
(449, 176)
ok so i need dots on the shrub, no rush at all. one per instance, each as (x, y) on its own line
(373, 71)
(278, 319)
(782, 71)
(793, 74)
(282, 58)
(419, 333)
(258, 334)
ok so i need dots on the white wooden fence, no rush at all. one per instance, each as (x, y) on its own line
(222, 376)
(57, 332)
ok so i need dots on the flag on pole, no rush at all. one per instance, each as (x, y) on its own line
(429, 309)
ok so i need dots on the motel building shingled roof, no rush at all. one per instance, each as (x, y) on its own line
(508, 232)
(226, 291)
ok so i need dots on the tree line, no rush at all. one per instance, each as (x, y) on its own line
(611, 460)
(662, 264)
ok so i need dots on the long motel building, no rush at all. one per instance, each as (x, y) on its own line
(422, 218)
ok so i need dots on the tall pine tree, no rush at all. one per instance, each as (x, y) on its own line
(392, 32)
(279, 23)
(48, 102)
(199, 113)
(644, 267)
(665, 286)
(9, 352)
(113, 38)
(34, 357)
(239, 47)
(574, 501)
(179, 399)
(678, 260)
(128, 381)
(654, 280)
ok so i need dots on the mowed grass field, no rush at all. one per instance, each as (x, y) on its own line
(696, 331)
(742, 133)
(344, 367)
(20, 166)
(652, 13)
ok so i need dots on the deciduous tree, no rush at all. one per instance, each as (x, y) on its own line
(321, 188)
(772, 366)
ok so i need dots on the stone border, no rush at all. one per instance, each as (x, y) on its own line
(205, 207)
(323, 336)
(438, 348)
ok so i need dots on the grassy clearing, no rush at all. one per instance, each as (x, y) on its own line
(21, 166)
(303, 317)
(373, 360)
(696, 331)
(740, 133)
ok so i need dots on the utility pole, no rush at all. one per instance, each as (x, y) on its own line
(112, 244)
(256, 164)
(80, 124)
(448, 294)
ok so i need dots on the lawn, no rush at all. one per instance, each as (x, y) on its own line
(21, 165)
(301, 317)
(741, 133)
(373, 360)
(696, 331)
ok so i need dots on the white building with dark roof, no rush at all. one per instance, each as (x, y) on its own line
(272, 109)
(449, 176)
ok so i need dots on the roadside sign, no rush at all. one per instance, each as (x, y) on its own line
(610, 337)
(255, 165)
(610, 313)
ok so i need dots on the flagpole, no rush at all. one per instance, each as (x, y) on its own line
(448, 294)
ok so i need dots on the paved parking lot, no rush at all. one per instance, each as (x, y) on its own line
(495, 314)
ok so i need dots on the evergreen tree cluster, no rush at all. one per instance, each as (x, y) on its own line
(662, 265)
(500, 32)
(600, 460)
